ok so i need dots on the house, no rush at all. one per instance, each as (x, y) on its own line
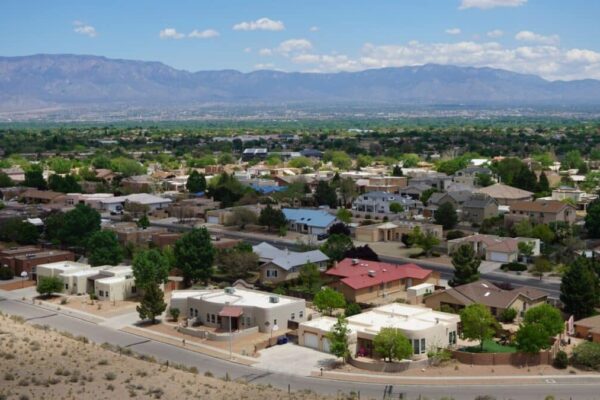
(456, 198)
(483, 292)
(387, 184)
(312, 153)
(495, 248)
(281, 265)
(588, 328)
(393, 231)
(478, 208)
(34, 196)
(469, 175)
(573, 195)
(308, 221)
(116, 204)
(138, 184)
(225, 216)
(541, 212)
(90, 199)
(414, 190)
(27, 258)
(423, 327)
(505, 195)
(254, 153)
(243, 308)
(16, 174)
(435, 180)
(115, 283)
(363, 281)
(130, 233)
(379, 202)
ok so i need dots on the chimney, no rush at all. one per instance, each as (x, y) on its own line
(335, 264)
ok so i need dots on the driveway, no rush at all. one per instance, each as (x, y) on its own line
(290, 356)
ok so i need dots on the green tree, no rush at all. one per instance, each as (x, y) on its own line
(48, 285)
(396, 208)
(426, 241)
(348, 191)
(327, 300)
(592, 219)
(34, 178)
(310, 277)
(525, 179)
(19, 231)
(196, 182)
(548, 317)
(477, 323)
(446, 216)
(543, 232)
(391, 344)
(526, 249)
(543, 186)
(541, 265)
(572, 160)
(579, 289)
(338, 339)
(60, 165)
(344, 215)
(242, 216)
(484, 180)
(531, 338)
(237, 263)
(300, 162)
(272, 218)
(127, 167)
(143, 222)
(466, 265)
(397, 171)
(325, 195)
(104, 249)
(152, 304)
(74, 227)
(427, 194)
(336, 246)
(195, 255)
(523, 228)
(339, 159)
(150, 267)
(5, 180)
(352, 309)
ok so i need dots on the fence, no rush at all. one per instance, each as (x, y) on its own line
(390, 367)
(545, 357)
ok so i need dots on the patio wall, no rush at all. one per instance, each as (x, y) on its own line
(545, 357)
(382, 366)
(218, 337)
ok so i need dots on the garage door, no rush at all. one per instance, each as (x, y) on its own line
(311, 340)
(213, 220)
(498, 257)
(326, 345)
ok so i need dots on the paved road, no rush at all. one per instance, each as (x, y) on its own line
(568, 387)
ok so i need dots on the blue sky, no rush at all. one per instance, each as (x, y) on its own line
(557, 39)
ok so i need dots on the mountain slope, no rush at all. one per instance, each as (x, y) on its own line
(72, 80)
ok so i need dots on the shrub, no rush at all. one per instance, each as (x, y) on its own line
(455, 234)
(110, 376)
(514, 266)
(174, 312)
(508, 315)
(587, 354)
(561, 360)
(6, 274)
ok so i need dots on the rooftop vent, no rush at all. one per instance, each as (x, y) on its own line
(229, 290)
(354, 261)
(371, 273)
(273, 299)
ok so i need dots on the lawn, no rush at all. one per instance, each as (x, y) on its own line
(490, 346)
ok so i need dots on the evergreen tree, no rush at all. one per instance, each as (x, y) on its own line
(272, 218)
(152, 304)
(143, 222)
(196, 182)
(579, 289)
(195, 254)
(325, 195)
(5, 180)
(34, 178)
(466, 265)
(592, 219)
(446, 216)
(104, 249)
(525, 179)
(397, 171)
(543, 184)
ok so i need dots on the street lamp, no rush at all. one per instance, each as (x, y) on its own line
(23, 276)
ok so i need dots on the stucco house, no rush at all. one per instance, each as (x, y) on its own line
(505, 195)
(478, 208)
(495, 248)
(541, 212)
(379, 202)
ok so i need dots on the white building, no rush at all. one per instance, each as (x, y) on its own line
(246, 308)
(115, 283)
(117, 203)
(426, 329)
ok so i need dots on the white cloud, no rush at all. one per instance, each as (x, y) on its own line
(294, 45)
(487, 4)
(528, 36)
(170, 33)
(84, 29)
(264, 66)
(453, 31)
(314, 29)
(265, 52)
(583, 56)
(496, 33)
(261, 24)
(205, 34)
(248, 50)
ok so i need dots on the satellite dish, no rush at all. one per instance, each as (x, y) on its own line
(24, 274)
(275, 328)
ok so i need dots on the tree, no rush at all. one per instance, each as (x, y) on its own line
(174, 313)
(310, 277)
(336, 246)
(592, 219)
(74, 227)
(19, 231)
(548, 317)
(446, 216)
(226, 189)
(525, 179)
(326, 300)
(426, 241)
(396, 208)
(543, 232)
(150, 267)
(531, 338)
(242, 216)
(34, 178)
(66, 184)
(104, 249)
(348, 192)
(48, 285)
(237, 262)
(127, 167)
(152, 304)
(299, 162)
(143, 222)
(195, 254)
(5, 180)
(325, 195)
(477, 323)
(391, 344)
(466, 265)
(344, 215)
(338, 339)
(196, 182)
(426, 194)
(526, 249)
(352, 309)
(484, 180)
(272, 218)
(543, 186)
(363, 252)
(523, 228)
(339, 228)
(541, 265)
(397, 171)
(579, 289)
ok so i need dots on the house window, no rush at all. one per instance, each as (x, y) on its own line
(301, 314)
(416, 346)
(101, 293)
(274, 322)
(271, 273)
(293, 316)
(133, 289)
(207, 317)
(66, 286)
(212, 318)
(423, 346)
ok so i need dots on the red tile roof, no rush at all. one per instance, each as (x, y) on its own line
(356, 275)
(231, 311)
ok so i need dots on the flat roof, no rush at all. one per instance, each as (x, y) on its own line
(239, 297)
(110, 279)
(65, 265)
(81, 272)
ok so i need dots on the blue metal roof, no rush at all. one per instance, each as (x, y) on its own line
(317, 218)
(267, 189)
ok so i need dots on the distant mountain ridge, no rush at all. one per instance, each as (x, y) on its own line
(70, 81)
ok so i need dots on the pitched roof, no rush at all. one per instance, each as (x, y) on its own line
(294, 259)
(479, 201)
(316, 218)
(486, 293)
(502, 191)
(41, 194)
(363, 273)
(545, 206)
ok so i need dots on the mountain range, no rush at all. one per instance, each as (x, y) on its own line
(73, 81)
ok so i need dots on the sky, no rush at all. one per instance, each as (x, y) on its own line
(556, 39)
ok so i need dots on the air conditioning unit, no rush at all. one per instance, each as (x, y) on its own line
(273, 299)
(371, 273)
(229, 290)
(355, 261)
